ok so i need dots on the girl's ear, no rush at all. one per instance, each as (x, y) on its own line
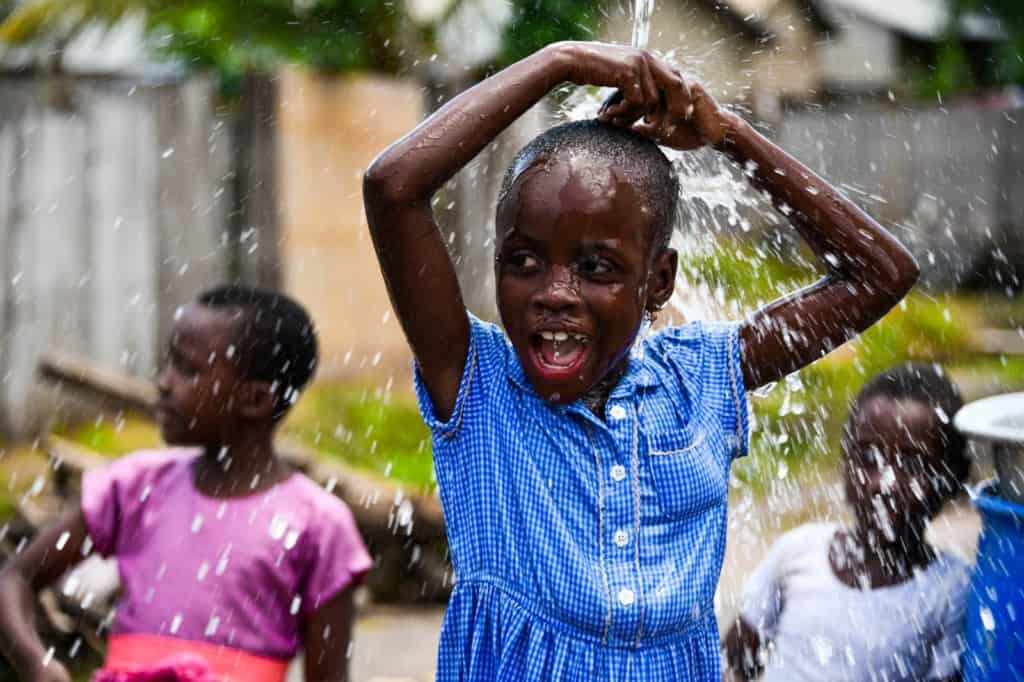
(255, 400)
(661, 280)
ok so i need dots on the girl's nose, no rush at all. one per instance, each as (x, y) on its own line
(560, 290)
(163, 381)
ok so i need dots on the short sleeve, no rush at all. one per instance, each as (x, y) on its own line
(761, 599)
(337, 555)
(706, 357)
(111, 495)
(485, 360)
(949, 645)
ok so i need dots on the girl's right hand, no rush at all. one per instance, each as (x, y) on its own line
(628, 69)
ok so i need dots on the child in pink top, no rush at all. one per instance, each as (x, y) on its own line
(229, 561)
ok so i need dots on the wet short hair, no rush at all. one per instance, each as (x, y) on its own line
(931, 386)
(645, 165)
(276, 339)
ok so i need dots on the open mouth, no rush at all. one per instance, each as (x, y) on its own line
(559, 353)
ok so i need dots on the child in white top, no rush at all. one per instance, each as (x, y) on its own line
(873, 601)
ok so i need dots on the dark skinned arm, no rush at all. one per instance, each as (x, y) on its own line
(327, 637)
(742, 645)
(400, 183)
(38, 566)
(867, 271)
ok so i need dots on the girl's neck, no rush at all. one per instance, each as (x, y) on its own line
(597, 396)
(866, 559)
(238, 469)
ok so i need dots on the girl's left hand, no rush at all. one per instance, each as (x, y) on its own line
(688, 118)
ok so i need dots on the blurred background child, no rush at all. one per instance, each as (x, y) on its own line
(229, 561)
(874, 600)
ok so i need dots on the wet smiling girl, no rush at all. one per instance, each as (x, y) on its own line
(583, 471)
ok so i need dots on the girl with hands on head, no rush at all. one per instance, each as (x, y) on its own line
(583, 471)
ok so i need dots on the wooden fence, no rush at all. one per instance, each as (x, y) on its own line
(120, 199)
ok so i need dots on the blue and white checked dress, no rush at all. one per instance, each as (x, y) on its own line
(587, 549)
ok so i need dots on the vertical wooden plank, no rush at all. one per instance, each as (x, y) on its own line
(11, 113)
(120, 187)
(190, 206)
(257, 248)
(49, 251)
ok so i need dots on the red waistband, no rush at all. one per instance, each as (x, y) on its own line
(128, 652)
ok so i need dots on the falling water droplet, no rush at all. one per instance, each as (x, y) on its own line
(988, 621)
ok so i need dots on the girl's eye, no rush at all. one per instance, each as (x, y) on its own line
(522, 260)
(595, 265)
(182, 365)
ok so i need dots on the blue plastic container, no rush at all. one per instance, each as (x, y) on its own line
(995, 607)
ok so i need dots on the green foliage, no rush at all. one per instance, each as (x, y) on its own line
(236, 36)
(952, 73)
(359, 427)
(537, 23)
(239, 36)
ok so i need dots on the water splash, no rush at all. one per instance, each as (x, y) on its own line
(642, 12)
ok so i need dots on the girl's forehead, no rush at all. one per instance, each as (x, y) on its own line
(202, 327)
(589, 200)
(897, 424)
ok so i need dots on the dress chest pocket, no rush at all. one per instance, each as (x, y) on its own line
(687, 471)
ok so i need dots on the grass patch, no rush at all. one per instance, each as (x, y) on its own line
(114, 438)
(366, 429)
(357, 425)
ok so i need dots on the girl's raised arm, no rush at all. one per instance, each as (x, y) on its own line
(867, 270)
(400, 183)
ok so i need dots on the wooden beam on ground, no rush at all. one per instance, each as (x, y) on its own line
(998, 341)
(111, 388)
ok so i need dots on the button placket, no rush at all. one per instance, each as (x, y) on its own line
(619, 522)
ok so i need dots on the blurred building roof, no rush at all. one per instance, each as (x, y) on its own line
(925, 20)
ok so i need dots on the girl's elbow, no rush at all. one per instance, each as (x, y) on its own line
(909, 273)
(381, 182)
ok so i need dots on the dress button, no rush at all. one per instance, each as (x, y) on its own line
(618, 472)
(626, 596)
(621, 538)
(617, 412)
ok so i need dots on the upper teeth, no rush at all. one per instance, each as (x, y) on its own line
(558, 337)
